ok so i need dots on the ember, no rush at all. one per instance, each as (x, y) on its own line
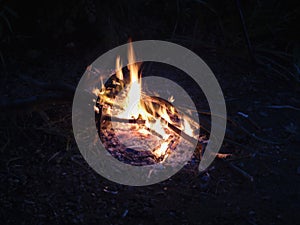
(134, 127)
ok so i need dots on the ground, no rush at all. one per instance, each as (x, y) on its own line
(45, 180)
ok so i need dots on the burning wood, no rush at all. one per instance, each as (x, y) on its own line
(129, 117)
(120, 120)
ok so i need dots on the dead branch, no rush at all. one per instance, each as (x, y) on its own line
(249, 45)
(283, 107)
(140, 121)
(241, 172)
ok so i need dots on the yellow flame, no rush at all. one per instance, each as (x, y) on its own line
(119, 67)
(162, 150)
(162, 112)
(156, 117)
(171, 99)
(187, 128)
(96, 109)
(133, 106)
(96, 91)
(132, 65)
(159, 127)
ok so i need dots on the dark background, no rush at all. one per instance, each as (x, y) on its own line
(44, 179)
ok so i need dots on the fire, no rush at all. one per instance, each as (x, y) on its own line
(134, 106)
(119, 66)
(187, 128)
(162, 150)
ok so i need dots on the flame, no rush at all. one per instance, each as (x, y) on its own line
(96, 109)
(96, 91)
(187, 128)
(135, 106)
(171, 99)
(132, 65)
(162, 150)
(119, 67)
(159, 128)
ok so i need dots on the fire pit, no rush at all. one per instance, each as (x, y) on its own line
(137, 128)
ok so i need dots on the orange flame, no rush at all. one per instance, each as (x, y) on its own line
(133, 108)
(156, 117)
(119, 66)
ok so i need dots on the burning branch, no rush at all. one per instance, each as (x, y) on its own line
(120, 120)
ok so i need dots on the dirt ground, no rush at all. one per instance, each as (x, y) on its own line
(45, 180)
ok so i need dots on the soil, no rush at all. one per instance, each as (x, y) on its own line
(45, 180)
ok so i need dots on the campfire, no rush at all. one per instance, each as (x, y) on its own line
(137, 128)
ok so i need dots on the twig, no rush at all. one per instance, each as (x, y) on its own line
(241, 157)
(140, 121)
(5, 145)
(53, 131)
(120, 120)
(243, 173)
(177, 19)
(250, 49)
(282, 107)
(253, 135)
(182, 133)
(283, 68)
(223, 155)
(238, 144)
